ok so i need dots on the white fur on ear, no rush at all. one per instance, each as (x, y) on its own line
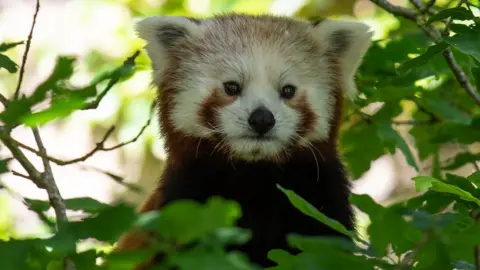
(161, 32)
(348, 41)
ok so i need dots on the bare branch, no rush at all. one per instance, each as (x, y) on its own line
(22, 175)
(100, 146)
(424, 8)
(459, 74)
(25, 54)
(449, 21)
(427, 6)
(117, 178)
(397, 10)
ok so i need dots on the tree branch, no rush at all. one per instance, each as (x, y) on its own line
(100, 146)
(397, 10)
(427, 6)
(116, 178)
(54, 195)
(435, 34)
(27, 49)
(94, 104)
(33, 173)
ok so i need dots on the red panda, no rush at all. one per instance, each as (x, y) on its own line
(247, 102)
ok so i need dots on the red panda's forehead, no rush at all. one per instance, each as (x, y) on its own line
(236, 46)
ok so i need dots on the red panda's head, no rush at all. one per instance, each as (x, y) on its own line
(256, 87)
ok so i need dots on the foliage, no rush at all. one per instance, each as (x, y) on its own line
(437, 229)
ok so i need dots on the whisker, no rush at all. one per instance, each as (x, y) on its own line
(198, 146)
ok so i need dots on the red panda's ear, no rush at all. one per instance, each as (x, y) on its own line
(348, 41)
(161, 32)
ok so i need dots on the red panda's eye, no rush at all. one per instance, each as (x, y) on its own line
(288, 91)
(232, 88)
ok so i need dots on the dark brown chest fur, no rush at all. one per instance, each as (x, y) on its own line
(266, 210)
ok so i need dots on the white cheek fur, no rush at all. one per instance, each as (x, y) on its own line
(187, 105)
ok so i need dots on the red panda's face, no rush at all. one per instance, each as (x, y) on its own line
(256, 86)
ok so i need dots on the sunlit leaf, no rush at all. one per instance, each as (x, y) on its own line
(422, 59)
(467, 42)
(387, 226)
(457, 13)
(186, 221)
(423, 183)
(309, 210)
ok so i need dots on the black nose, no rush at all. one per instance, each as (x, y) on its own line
(261, 120)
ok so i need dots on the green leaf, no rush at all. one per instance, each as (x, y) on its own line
(57, 110)
(387, 226)
(460, 28)
(107, 225)
(202, 259)
(476, 75)
(359, 156)
(24, 254)
(445, 111)
(467, 43)
(86, 260)
(461, 160)
(324, 258)
(461, 265)
(185, 221)
(422, 59)
(309, 210)
(457, 13)
(475, 178)
(20, 108)
(8, 45)
(86, 204)
(128, 259)
(8, 64)
(424, 183)
(4, 165)
(389, 134)
(319, 244)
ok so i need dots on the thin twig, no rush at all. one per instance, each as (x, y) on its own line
(100, 146)
(94, 104)
(422, 8)
(25, 54)
(461, 76)
(446, 31)
(427, 6)
(22, 175)
(397, 10)
(117, 178)
(437, 37)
